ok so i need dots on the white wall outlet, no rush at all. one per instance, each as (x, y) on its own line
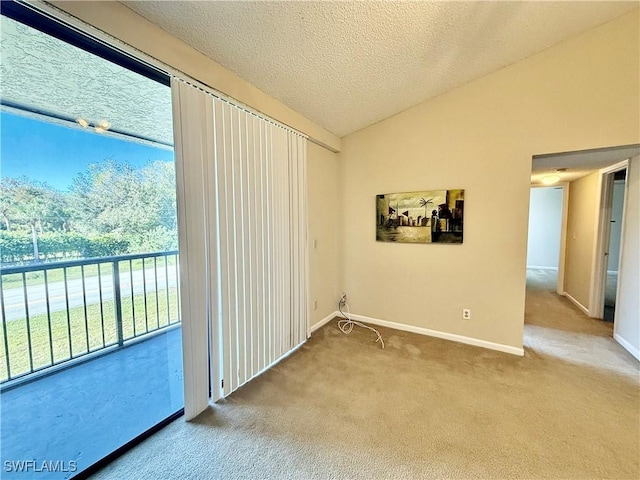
(343, 298)
(315, 304)
(466, 314)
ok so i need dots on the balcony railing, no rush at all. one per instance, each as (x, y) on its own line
(53, 313)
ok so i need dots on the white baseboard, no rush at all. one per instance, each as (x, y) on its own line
(444, 335)
(324, 321)
(627, 346)
(540, 267)
(576, 303)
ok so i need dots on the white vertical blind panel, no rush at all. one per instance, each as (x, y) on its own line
(264, 280)
(302, 246)
(276, 244)
(248, 242)
(274, 253)
(255, 241)
(277, 241)
(227, 245)
(221, 114)
(287, 260)
(218, 330)
(248, 253)
(271, 248)
(236, 314)
(304, 226)
(209, 181)
(295, 237)
(286, 254)
(240, 256)
(283, 228)
(191, 112)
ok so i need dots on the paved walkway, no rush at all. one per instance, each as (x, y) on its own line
(14, 300)
(85, 412)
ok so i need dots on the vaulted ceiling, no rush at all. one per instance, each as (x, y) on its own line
(346, 65)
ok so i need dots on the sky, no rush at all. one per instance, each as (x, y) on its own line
(56, 154)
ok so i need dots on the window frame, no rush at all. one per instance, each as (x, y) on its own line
(40, 21)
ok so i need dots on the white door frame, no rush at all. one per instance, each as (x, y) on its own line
(563, 237)
(601, 244)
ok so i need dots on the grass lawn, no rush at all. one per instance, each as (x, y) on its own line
(97, 332)
(57, 274)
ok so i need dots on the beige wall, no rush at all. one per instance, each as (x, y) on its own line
(583, 93)
(627, 325)
(582, 228)
(324, 208)
(124, 24)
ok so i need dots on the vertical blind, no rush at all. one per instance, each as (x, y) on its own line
(243, 224)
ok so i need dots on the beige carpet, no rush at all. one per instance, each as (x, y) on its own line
(341, 407)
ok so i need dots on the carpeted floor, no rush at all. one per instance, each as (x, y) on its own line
(341, 407)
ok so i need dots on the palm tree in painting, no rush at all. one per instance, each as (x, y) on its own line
(425, 203)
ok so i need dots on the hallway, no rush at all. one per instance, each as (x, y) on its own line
(556, 327)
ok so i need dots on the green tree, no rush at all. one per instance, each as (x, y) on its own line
(26, 203)
(31, 205)
(137, 205)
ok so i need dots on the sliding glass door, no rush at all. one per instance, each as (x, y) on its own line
(90, 341)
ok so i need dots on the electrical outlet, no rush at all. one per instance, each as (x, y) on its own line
(343, 298)
(466, 314)
(315, 304)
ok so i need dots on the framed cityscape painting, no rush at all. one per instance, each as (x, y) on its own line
(432, 216)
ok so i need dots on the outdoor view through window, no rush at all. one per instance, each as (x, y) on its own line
(90, 347)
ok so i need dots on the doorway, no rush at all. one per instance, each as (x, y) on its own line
(544, 245)
(614, 206)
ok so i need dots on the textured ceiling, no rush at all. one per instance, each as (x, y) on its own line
(346, 65)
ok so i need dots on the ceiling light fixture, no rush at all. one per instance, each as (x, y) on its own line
(550, 179)
(102, 126)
